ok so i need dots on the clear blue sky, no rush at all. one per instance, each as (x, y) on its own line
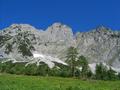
(81, 15)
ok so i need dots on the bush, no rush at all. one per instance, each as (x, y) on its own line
(103, 73)
(12, 68)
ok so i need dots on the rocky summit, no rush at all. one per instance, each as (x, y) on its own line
(24, 43)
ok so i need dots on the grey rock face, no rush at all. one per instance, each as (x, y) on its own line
(54, 41)
(98, 45)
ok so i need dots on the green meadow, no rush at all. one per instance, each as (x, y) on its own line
(21, 82)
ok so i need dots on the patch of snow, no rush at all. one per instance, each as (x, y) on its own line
(37, 58)
(92, 67)
(38, 55)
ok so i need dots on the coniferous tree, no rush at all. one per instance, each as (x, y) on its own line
(101, 72)
(119, 76)
(82, 61)
(111, 74)
(71, 59)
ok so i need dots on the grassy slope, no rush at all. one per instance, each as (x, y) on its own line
(15, 82)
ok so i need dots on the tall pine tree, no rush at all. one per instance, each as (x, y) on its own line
(71, 59)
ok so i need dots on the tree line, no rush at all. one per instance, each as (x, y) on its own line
(77, 67)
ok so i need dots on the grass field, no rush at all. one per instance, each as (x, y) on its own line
(18, 82)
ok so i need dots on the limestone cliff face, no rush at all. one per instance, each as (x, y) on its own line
(100, 45)
(20, 41)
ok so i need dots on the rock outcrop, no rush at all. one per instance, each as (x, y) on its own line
(19, 41)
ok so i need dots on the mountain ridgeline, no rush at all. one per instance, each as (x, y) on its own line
(24, 43)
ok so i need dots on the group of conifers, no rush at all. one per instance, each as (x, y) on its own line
(77, 67)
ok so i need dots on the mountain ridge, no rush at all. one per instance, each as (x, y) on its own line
(92, 29)
(19, 41)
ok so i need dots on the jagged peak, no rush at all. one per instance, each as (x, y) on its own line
(15, 24)
(60, 27)
(21, 26)
(57, 24)
(26, 25)
(102, 29)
